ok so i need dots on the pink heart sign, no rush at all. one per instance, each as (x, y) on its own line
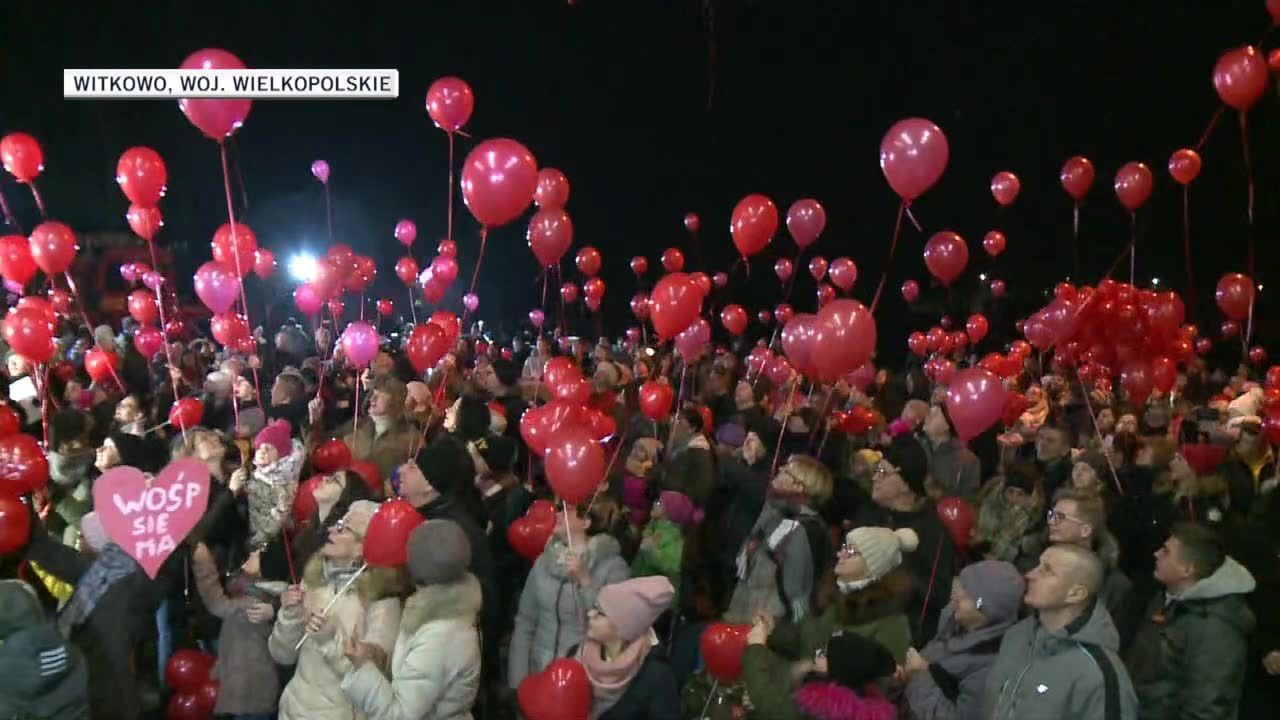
(148, 518)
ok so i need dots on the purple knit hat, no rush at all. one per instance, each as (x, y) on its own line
(679, 508)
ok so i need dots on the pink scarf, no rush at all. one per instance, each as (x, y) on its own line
(610, 678)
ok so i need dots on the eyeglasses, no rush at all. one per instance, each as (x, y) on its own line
(883, 468)
(595, 610)
(343, 526)
(1053, 516)
(847, 551)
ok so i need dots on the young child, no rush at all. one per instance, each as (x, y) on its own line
(277, 461)
(662, 543)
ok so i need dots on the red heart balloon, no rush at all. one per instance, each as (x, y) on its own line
(655, 400)
(188, 670)
(561, 692)
(722, 648)
(304, 503)
(186, 413)
(15, 523)
(386, 542)
(330, 456)
(528, 538)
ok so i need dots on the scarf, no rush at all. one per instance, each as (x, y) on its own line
(610, 678)
(112, 566)
(338, 575)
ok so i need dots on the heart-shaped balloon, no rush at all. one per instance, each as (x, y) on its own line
(722, 648)
(331, 456)
(561, 692)
(386, 543)
(528, 538)
(149, 518)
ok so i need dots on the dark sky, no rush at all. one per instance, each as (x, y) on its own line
(616, 93)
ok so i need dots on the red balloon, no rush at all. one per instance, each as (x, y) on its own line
(946, 256)
(207, 696)
(913, 155)
(805, 221)
(239, 252)
(550, 234)
(958, 517)
(264, 263)
(1164, 374)
(574, 464)
(600, 424)
(450, 103)
(407, 270)
(141, 175)
(363, 272)
(843, 273)
(22, 156)
(1184, 165)
(672, 260)
(720, 279)
(734, 319)
(722, 647)
(53, 247)
(1258, 355)
(569, 293)
(639, 265)
(783, 268)
(754, 221)
(16, 263)
(29, 333)
(560, 692)
(23, 465)
(993, 242)
(187, 670)
(1005, 187)
(799, 337)
(307, 300)
(39, 305)
(426, 345)
(386, 542)
(1203, 345)
(1135, 378)
(343, 258)
(593, 288)
(818, 268)
(142, 306)
(779, 371)
(1133, 185)
(60, 301)
(385, 307)
(656, 398)
(10, 423)
(764, 317)
(331, 456)
(702, 281)
(101, 365)
(826, 294)
(575, 390)
(229, 328)
(499, 177)
(553, 189)
(216, 118)
(975, 401)
(528, 538)
(692, 222)
(640, 305)
(1273, 60)
(918, 342)
(186, 413)
(783, 313)
(1271, 429)
(674, 304)
(910, 290)
(15, 523)
(328, 278)
(997, 288)
(145, 221)
(976, 327)
(1077, 177)
(559, 369)
(845, 339)
(1234, 295)
(1240, 77)
(588, 261)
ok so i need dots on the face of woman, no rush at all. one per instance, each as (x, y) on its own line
(331, 489)
(743, 396)
(575, 523)
(107, 457)
(600, 628)
(209, 449)
(850, 565)
(886, 484)
(966, 607)
(344, 544)
(1083, 476)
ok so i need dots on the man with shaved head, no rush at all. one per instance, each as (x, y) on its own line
(1061, 662)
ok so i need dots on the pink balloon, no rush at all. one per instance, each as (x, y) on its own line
(145, 221)
(946, 256)
(1076, 177)
(798, 337)
(1133, 185)
(994, 242)
(406, 232)
(536, 317)
(693, 340)
(913, 155)
(450, 103)
(153, 280)
(692, 222)
(307, 300)
(1184, 165)
(216, 118)
(444, 269)
(499, 177)
(805, 220)
(783, 313)
(754, 221)
(217, 286)
(997, 288)
(720, 279)
(550, 234)
(818, 267)
(783, 268)
(320, 169)
(471, 301)
(843, 273)
(975, 401)
(360, 343)
(1240, 77)
(264, 263)
(1005, 187)
(910, 290)
(846, 337)
(862, 377)
(553, 189)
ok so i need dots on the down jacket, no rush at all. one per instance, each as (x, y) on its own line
(553, 608)
(953, 687)
(370, 606)
(435, 670)
(1188, 657)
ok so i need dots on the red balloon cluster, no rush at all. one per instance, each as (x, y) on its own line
(834, 342)
(529, 534)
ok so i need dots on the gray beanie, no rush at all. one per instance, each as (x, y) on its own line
(996, 588)
(439, 552)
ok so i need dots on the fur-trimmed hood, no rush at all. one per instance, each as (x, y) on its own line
(884, 598)
(375, 583)
(832, 701)
(600, 548)
(459, 600)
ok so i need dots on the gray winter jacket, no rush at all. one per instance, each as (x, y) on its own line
(953, 687)
(1188, 657)
(553, 608)
(1073, 672)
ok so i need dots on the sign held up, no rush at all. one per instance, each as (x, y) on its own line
(147, 518)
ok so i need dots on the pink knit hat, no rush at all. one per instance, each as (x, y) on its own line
(634, 605)
(275, 434)
(679, 508)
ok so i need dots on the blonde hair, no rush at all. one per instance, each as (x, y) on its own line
(813, 476)
(186, 447)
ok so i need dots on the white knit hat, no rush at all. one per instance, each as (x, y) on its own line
(882, 548)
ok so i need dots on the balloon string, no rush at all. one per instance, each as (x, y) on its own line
(8, 214)
(475, 274)
(893, 246)
(671, 435)
(361, 307)
(85, 317)
(1186, 250)
(1098, 431)
(328, 210)
(39, 201)
(1213, 122)
(168, 354)
(911, 216)
(1248, 169)
(449, 227)
(791, 280)
(355, 414)
(41, 378)
(412, 307)
(789, 389)
(813, 434)
(1075, 238)
(1133, 244)
(240, 273)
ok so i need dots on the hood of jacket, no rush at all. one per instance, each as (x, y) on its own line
(599, 549)
(459, 600)
(1093, 627)
(1230, 579)
(951, 640)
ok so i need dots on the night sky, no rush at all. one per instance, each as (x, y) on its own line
(655, 108)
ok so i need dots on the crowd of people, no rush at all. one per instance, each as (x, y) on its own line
(1122, 559)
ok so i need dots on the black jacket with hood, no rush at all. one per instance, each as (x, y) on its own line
(44, 675)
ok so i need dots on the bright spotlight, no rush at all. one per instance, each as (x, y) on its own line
(302, 267)
(982, 277)
(1155, 281)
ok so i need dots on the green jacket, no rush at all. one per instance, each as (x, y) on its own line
(661, 551)
(1188, 657)
(769, 699)
(875, 612)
